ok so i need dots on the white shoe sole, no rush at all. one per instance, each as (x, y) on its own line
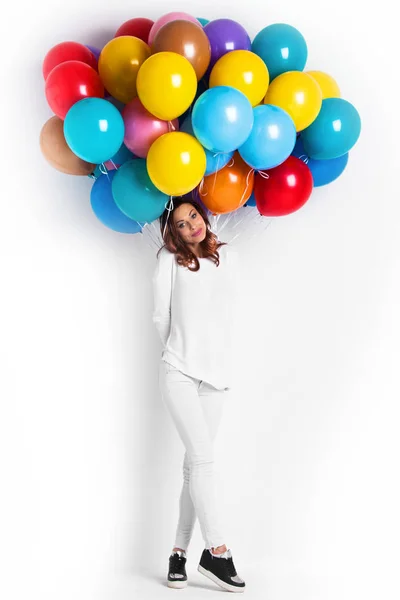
(223, 584)
(178, 585)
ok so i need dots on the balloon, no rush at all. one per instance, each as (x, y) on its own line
(287, 188)
(271, 140)
(335, 130)
(222, 119)
(119, 63)
(176, 163)
(226, 35)
(187, 39)
(70, 82)
(252, 200)
(142, 128)
(297, 93)
(134, 193)
(105, 209)
(203, 22)
(138, 27)
(201, 88)
(172, 16)
(244, 71)
(214, 160)
(95, 51)
(322, 171)
(228, 189)
(58, 153)
(328, 85)
(66, 51)
(282, 48)
(94, 130)
(166, 85)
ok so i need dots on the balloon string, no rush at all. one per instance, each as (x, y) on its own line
(304, 158)
(263, 174)
(169, 209)
(114, 165)
(103, 169)
(171, 126)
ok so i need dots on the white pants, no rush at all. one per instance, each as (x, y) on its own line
(196, 409)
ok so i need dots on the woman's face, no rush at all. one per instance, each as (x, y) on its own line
(189, 222)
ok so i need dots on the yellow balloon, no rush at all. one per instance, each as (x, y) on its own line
(176, 163)
(167, 85)
(328, 85)
(298, 94)
(119, 64)
(244, 71)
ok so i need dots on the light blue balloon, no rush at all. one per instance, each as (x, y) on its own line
(202, 21)
(215, 160)
(222, 119)
(322, 171)
(135, 194)
(106, 210)
(271, 140)
(282, 48)
(94, 129)
(335, 130)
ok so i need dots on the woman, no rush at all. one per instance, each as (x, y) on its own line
(193, 291)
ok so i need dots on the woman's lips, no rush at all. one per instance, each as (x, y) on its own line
(198, 232)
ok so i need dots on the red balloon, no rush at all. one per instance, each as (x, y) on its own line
(287, 188)
(139, 27)
(67, 51)
(70, 82)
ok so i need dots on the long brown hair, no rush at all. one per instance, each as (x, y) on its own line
(174, 243)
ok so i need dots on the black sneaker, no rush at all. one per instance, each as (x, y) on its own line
(221, 570)
(177, 577)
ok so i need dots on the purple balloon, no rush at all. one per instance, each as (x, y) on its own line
(224, 36)
(94, 51)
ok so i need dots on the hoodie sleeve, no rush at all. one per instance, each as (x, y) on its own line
(162, 289)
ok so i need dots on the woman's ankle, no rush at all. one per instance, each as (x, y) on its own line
(219, 549)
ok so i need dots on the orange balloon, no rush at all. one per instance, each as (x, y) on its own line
(229, 188)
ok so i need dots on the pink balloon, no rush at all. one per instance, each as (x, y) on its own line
(142, 128)
(172, 16)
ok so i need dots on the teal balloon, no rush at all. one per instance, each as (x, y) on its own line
(203, 21)
(105, 209)
(271, 140)
(282, 48)
(222, 119)
(215, 160)
(135, 194)
(334, 132)
(122, 156)
(94, 129)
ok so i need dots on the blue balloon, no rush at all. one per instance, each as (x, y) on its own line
(272, 138)
(215, 160)
(334, 132)
(322, 171)
(135, 194)
(106, 210)
(282, 48)
(94, 129)
(252, 200)
(202, 21)
(222, 119)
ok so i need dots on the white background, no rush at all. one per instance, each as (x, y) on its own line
(308, 451)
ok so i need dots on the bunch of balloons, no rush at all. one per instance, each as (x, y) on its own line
(184, 105)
